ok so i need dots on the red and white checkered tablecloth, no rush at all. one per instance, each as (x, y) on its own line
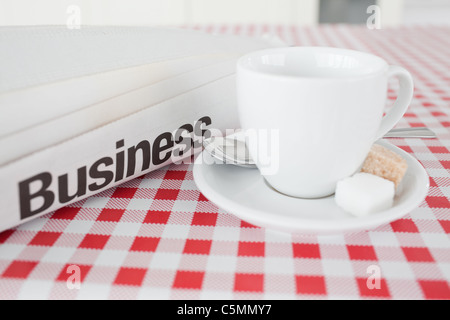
(158, 237)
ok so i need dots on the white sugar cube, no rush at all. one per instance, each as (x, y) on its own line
(364, 193)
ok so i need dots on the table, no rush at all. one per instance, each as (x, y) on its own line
(158, 237)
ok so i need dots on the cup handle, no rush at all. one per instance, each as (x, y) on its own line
(402, 102)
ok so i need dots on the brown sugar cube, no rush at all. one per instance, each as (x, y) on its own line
(386, 164)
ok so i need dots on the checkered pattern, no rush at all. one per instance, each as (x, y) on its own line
(158, 237)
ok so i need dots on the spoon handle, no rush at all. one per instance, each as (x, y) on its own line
(416, 132)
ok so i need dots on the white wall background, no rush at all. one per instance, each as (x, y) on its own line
(427, 11)
(180, 12)
(159, 12)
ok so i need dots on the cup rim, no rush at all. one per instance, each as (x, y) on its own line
(242, 63)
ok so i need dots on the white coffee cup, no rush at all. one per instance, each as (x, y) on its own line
(326, 105)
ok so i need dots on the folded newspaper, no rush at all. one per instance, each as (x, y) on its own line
(82, 110)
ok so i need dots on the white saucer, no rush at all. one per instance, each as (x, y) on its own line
(244, 193)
